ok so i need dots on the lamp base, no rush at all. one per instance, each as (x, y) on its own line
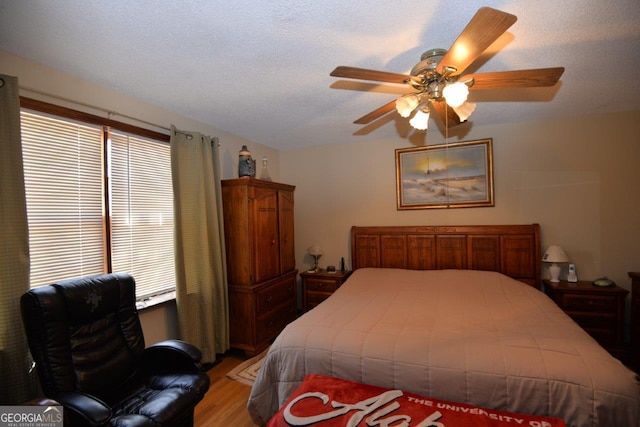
(554, 272)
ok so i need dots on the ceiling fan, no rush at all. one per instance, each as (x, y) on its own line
(438, 78)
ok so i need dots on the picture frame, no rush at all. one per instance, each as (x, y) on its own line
(456, 175)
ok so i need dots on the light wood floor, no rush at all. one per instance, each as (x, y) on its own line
(225, 402)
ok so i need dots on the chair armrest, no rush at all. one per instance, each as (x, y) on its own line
(42, 401)
(172, 356)
(83, 409)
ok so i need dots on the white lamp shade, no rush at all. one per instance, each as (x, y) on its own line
(554, 253)
(315, 250)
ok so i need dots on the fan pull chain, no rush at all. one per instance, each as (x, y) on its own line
(446, 149)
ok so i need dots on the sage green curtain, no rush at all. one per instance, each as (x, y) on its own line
(17, 384)
(201, 288)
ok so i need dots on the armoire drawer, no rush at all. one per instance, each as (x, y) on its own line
(272, 323)
(269, 298)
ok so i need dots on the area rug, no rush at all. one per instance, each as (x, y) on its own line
(247, 371)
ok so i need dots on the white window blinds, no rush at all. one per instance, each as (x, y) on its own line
(142, 213)
(63, 184)
(72, 229)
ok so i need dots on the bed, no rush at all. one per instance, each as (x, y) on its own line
(454, 313)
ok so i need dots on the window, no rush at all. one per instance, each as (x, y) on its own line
(64, 191)
(142, 212)
(83, 220)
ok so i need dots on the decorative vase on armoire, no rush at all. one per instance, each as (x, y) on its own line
(264, 175)
(262, 279)
(246, 164)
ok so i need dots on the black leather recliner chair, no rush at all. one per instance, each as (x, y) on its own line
(87, 342)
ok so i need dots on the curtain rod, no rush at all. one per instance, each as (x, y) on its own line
(104, 110)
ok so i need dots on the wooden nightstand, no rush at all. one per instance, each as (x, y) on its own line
(635, 320)
(598, 310)
(319, 285)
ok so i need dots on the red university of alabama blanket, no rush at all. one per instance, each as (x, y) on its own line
(331, 402)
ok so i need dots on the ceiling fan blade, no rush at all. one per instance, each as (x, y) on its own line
(516, 79)
(484, 28)
(365, 74)
(378, 112)
(447, 115)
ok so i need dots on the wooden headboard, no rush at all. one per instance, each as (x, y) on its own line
(513, 250)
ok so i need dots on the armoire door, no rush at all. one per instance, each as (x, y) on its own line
(287, 247)
(266, 237)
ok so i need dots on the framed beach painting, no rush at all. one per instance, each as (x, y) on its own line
(457, 175)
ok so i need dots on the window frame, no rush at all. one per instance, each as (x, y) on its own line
(107, 125)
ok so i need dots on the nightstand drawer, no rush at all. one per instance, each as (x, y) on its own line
(599, 311)
(318, 286)
(322, 285)
(595, 321)
(315, 298)
(604, 337)
(589, 303)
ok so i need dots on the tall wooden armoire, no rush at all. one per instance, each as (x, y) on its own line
(258, 227)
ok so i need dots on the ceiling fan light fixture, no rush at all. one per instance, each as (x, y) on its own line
(420, 120)
(465, 110)
(448, 70)
(406, 104)
(468, 82)
(455, 94)
(440, 74)
(429, 60)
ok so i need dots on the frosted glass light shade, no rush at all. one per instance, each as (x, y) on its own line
(465, 110)
(420, 120)
(455, 94)
(406, 104)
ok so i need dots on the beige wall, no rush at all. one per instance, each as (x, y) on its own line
(578, 178)
(159, 322)
(32, 76)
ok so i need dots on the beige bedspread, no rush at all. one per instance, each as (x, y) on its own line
(466, 336)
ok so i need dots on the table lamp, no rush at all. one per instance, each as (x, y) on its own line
(554, 254)
(316, 252)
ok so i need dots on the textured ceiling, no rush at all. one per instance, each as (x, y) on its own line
(260, 69)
